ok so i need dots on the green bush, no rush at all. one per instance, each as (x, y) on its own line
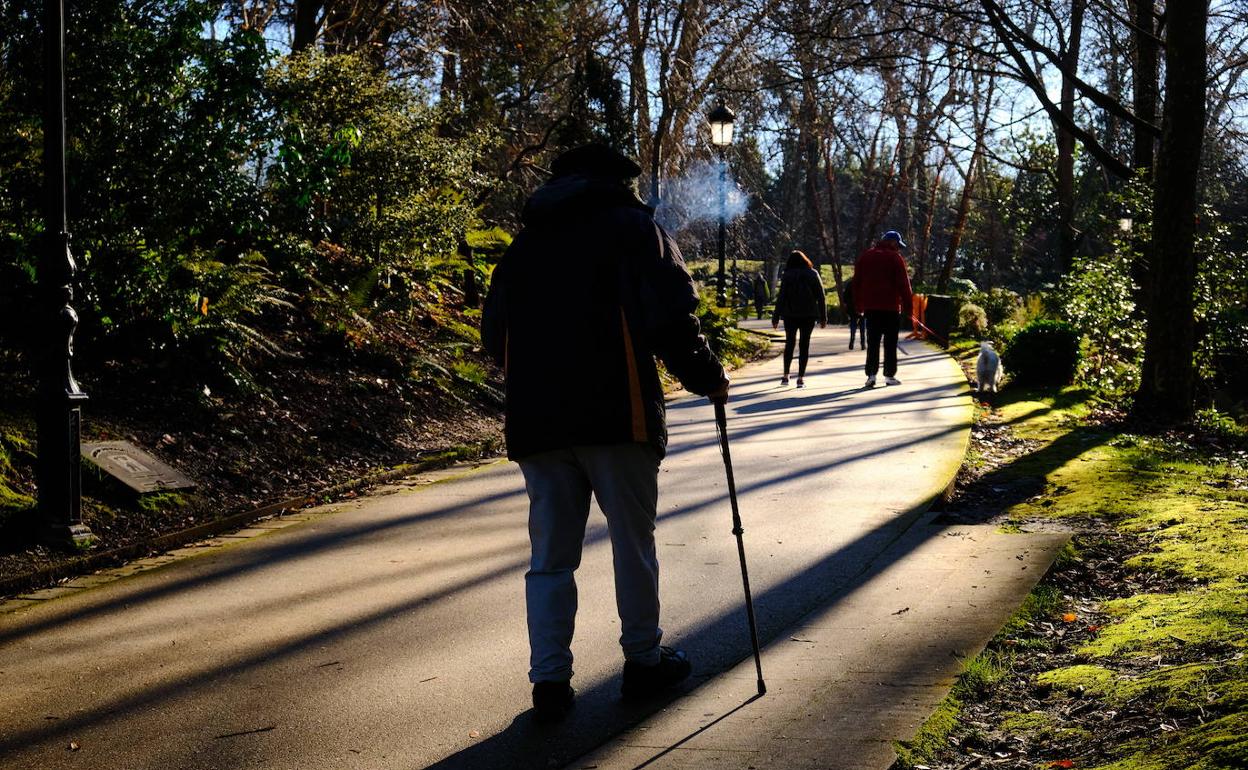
(1222, 355)
(1213, 423)
(1001, 305)
(1002, 334)
(1043, 353)
(1035, 307)
(361, 162)
(1098, 299)
(972, 320)
(732, 345)
(962, 287)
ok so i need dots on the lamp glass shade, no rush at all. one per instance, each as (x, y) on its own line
(720, 120)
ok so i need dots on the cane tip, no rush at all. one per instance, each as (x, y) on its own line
(762, 687)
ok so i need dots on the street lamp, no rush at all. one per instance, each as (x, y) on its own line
(59, 403)
(720, 120)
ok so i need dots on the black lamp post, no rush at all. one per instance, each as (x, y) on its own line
(720, 120)
(59, 418)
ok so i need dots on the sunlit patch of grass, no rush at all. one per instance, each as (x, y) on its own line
(1179, 651)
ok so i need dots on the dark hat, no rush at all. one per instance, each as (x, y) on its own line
(893, 235)
(595, 159)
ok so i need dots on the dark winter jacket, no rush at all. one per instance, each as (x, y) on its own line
(759, 290)
(801, 296)
(881, 281)
(847, 300)
(585, 298)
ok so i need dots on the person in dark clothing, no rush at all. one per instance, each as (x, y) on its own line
(801, 303)
(761, 294)
(589, 293)
(881, 293)
(857, 324)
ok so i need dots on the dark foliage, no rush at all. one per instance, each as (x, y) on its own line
(1044, 352)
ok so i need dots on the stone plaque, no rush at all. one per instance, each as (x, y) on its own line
(134, 467)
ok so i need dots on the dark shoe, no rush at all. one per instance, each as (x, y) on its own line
(645, 681)
(552, 700)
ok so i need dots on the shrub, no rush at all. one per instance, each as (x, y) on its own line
(731, 344)
(361, 161)
(1222, 355)
(1217, 425)
(1098, 298)
(962, 287)
(716, 321)
(1002, 334)
(1043, 353)
(1035, 307)
(1001, 305)
(972, 320)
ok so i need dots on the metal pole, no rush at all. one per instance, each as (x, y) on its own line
(721, 424)
(59, 408)
(723, 225)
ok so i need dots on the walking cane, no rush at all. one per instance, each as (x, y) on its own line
(721, 425)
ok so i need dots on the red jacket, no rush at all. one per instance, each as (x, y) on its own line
(881, 281)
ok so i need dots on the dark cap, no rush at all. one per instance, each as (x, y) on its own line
(893, 235)
(595, 159)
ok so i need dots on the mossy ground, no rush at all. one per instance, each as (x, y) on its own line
(1133, 653)
(15, 497)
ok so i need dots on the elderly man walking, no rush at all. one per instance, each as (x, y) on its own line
(586, 298)
(881, 292)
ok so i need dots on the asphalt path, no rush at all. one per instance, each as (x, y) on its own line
(388, 632)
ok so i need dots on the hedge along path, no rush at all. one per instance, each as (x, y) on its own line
(1180, 651)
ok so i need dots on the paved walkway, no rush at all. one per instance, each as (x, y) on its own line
(388, 632)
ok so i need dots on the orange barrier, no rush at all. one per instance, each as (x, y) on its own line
(918, 314)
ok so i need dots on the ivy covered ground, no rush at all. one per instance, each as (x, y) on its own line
(1130, 655)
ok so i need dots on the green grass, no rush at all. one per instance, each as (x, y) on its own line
(983, 672)
(980, 674)
(1182, 651)
(930, 738)
(156, 502)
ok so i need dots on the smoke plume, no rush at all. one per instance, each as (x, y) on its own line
(694, 198)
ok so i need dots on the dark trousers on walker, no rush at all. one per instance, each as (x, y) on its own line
(882, 325)
(792, 326)
(858, 324)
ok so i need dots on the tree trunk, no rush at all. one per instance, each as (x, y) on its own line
(638, 30)
(959, 225)
(810, 140)
(834, 210)
(1144, 84)
(968, 188)
(1144, 143)
(306, 24)
(1167, 383)
(924, 246)
(1066, 143)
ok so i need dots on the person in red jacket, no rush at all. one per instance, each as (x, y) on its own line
(881, 288)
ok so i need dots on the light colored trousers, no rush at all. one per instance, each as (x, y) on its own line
(625, 480)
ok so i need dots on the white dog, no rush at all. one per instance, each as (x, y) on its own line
(988, 368)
